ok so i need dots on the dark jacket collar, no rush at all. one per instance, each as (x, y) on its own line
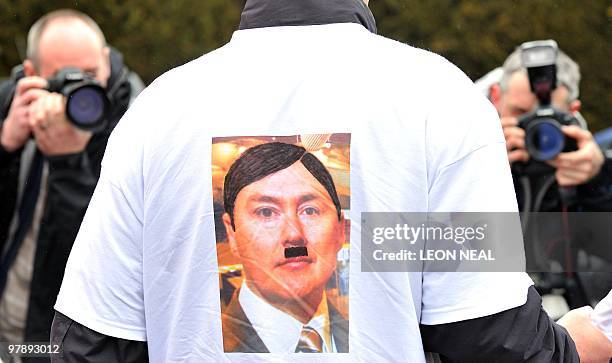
(270, 13)
(118, 87)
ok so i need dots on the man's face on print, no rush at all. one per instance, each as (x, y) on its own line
(276, 219)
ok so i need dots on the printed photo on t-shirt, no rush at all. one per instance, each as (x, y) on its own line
(281, 207)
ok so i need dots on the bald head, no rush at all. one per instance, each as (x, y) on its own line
(67, 38)
(64, 18)
(517, 99)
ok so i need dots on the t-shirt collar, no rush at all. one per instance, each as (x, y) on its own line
(265, 13)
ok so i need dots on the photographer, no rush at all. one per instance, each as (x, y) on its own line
(50, 155)
(577, 179)
(585, 168)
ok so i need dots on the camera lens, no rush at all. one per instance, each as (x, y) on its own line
(544, 139)
(86, 106)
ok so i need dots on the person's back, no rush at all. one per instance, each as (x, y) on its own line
(420, 134)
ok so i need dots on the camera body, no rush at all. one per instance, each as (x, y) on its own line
(544, 139)
(87, 103)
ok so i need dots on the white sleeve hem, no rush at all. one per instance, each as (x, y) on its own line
(110, 328)
(461, 313)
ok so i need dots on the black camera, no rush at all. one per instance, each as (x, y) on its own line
(87, 104)
(544, 139)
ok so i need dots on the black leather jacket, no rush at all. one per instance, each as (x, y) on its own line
(540, 192)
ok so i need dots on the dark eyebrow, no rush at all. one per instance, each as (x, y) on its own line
(307, 198)
(270, 199)
(263, 198)
(519, 110)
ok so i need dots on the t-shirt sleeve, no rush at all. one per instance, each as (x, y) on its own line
(102, 287)
(602, 315)
(468, 171)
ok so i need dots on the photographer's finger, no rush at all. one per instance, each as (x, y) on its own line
(21, 113)
(578, 133)
(553, 163)
(570, 173)
(565, 182)
(570, 158)
(515, 143)
(56, 104)
(568, 177)
(36, 133)
(29, 96)
(509, 121)
(514, 131)
(585, 168)
(573, 162)
(518, 155)
(37, 113)
(49, 104)
(27, 83)
(41, 138)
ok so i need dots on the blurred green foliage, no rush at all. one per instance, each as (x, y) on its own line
(476, 35)
(154, 36)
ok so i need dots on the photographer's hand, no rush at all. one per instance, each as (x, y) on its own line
(54, 134)
(592, 345)
(580, 166)
(515, 140)
(16, 128)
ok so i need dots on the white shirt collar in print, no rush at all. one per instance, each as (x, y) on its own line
(280, 332)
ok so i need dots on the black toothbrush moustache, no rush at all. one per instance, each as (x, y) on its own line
(291, 252)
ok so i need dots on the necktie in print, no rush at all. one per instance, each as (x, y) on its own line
(310, 341)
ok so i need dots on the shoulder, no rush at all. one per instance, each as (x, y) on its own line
(419, 74)
(238, 332)
(414, 58)
(182, 82)
(340, 328)
(177, 91)
(7, 88)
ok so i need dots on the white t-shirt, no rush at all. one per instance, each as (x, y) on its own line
(602, 315)
(144, 265)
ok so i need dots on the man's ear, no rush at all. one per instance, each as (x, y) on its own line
(342, 234)
(106, 55)
(107, 64)
(575, 106)
(28, 68)
(231, 234)
(495, 95)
